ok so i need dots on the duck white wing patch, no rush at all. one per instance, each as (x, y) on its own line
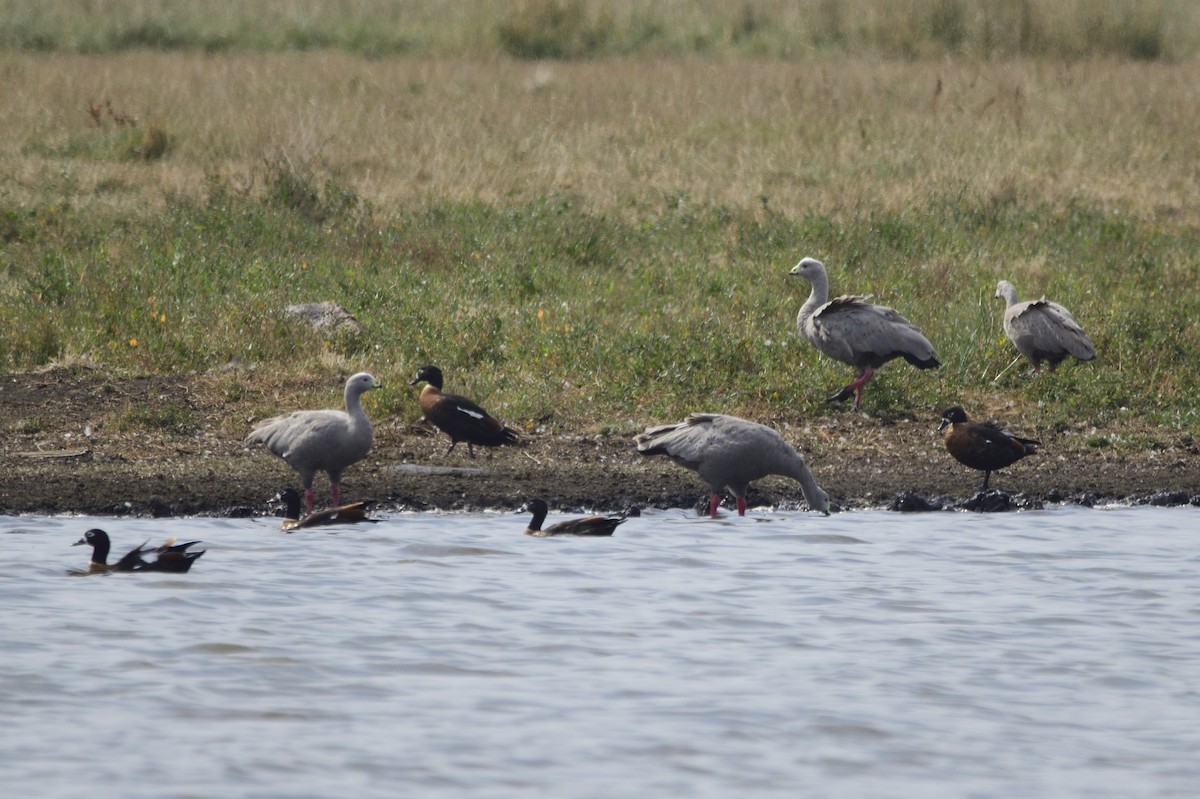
(476, 415)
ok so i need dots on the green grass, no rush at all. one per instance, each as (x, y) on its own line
(561, 315)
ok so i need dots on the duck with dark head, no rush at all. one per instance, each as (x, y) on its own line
(351, 513)
(459, 417)
(982, 445)
(170, 557)
(597, 525)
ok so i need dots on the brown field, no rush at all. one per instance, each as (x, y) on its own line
(820, 135)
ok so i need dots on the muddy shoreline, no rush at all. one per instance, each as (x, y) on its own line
(77, 441)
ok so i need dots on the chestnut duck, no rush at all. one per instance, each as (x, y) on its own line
(982, 445)
(171, 557)
(353, 513)
(588, 525)
(459, 417)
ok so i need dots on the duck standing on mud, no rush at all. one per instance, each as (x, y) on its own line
(459, 417)
(982, 445)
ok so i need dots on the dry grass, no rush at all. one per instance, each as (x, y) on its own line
(796, 137)
(1165, 29)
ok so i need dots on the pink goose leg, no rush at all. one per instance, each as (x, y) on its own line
(857, 385)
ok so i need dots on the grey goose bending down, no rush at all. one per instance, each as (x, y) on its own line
(730, 453)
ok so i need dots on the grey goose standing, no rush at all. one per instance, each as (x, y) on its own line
(1042, 330)
(322, 441)
(855, 331)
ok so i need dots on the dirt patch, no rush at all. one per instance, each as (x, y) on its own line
(77, 441)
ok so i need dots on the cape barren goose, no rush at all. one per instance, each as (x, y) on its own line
(730, 453)
(354, 513)
(1042, 330)
(170, 557)
(852, 330)
(459, 417)
(322, 441)
(588, 525)
(982, 445)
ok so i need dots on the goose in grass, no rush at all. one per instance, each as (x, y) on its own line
(855, 331)
(353, 513)
(459, 417)
(588, 525)
(982, 445)
(321, 441)
(730, 453)
(169, 556)
(1042, 330)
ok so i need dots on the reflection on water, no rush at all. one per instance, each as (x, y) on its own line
(867, 654)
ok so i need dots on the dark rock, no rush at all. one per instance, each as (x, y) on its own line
(912, 502)
(1168, 498)
(158, 509)
(1085, 499)
(1027, 502)
(991, 501)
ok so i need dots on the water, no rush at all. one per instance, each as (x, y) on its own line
(868, 654)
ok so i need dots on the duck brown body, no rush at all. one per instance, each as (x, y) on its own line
(587, 525)
(459, 417)
(982, 445)
(170, 557)
(353, 513)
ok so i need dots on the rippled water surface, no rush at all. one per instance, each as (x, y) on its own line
(869, 654)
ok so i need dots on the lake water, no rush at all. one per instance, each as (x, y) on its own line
(869, 654)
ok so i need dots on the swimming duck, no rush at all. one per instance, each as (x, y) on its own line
(588, 525)
(459, 417)
(171, 557)
(982, 445)
(353, 513)
(322, 441)
(730, 453)
(1042, 330)
(855, 331)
